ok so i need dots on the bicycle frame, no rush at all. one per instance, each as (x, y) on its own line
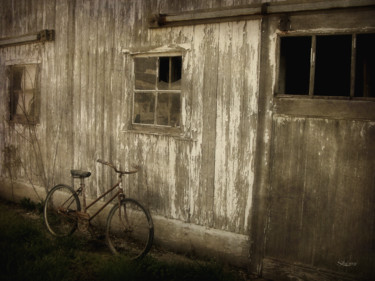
(120, 194)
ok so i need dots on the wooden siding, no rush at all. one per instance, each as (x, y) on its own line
(322, 193)
(282, 169)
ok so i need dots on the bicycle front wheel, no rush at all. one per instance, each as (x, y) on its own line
(60, 208)
(130, 230)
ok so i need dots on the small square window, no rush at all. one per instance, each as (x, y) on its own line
(157, 91)
(23, 93)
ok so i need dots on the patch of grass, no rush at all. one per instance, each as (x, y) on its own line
(28, 252)
(29, 205)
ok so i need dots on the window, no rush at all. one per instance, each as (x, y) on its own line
(157, 91)
(327, 65)
(23, 93)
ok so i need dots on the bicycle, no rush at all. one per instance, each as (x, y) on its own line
(129, 228)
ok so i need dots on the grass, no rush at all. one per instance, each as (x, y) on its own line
(28, 252)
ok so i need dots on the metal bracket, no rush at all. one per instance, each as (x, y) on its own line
(284, 23)
(46, 35)
(39, 37)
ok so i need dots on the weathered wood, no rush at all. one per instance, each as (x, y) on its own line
(258, 229)
(231, 166)
(236, 104)
(321, 195)
(333, 109)
(246, 12)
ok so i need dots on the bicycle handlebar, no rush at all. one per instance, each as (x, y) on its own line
(116, 170)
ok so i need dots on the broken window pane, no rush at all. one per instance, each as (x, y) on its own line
(170, 73)
(144, 108)
(145, 73)
(168, 110)
(295, 65)
(365, 66)
(332, 69)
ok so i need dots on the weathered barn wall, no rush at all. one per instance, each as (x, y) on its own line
(204, 176)
(244, 174)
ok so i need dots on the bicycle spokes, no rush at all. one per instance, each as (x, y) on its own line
(59, 211)
(129, 229)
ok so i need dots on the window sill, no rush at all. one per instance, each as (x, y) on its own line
(327, 107)
(175, 133)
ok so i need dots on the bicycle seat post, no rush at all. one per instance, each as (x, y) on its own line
(82, 187)
(81, 175)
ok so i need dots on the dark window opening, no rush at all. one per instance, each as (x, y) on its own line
(332, 67)
(327, 65)
(294, 74)
(157, 93)
(170, 72)
(365, 66)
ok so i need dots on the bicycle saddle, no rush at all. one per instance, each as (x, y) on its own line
(80, 174)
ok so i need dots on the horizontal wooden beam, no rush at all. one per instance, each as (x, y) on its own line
(41, 36)
(217, 15)
(320, 107)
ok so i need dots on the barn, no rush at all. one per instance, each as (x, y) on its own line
(253, 121)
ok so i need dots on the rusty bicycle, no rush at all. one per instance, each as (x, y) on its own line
(129, 228)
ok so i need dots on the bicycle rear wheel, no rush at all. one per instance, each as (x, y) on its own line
(60, 209)
(129, 232)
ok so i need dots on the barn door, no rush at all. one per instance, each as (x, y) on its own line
(321, 201)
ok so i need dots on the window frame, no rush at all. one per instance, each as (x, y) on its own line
(312, 73)
(13, 117)
(156, 128)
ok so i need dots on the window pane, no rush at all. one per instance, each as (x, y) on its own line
(168, 109)
(176, 67)
(170, 73)
(17, 74)
(25, 104)
(23, 91)
(144, 108)
(16, 89)
(29, 77)
(294, 75)
(163, 72)
(365, 66)
(332, 70)
(145, 73)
